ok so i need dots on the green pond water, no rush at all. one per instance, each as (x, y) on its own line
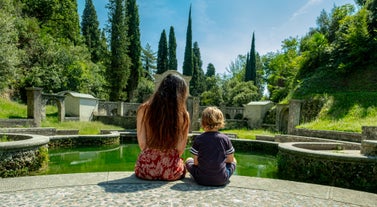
(123, 158)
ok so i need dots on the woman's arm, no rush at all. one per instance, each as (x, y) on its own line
(140, 128)
(183, 142)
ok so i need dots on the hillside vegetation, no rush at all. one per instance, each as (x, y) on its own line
(344, 111)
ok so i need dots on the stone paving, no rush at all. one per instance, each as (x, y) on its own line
(124, 189)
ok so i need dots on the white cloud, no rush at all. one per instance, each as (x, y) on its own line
(305, 9)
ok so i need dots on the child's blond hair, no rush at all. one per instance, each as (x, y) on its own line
(213, 118)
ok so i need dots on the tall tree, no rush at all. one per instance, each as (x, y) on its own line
(211, 71)
(90, 30)
(148, 59)
(134, 49)
(162, 54)
(197, 83)
(104, 49)
(173, 63)
(119, 69)
(251, 72)
(188, 58)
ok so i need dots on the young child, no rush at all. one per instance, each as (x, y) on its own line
(213, 152)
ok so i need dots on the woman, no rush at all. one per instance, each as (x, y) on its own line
(162, 130)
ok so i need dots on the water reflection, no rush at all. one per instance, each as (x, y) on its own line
(123, 158)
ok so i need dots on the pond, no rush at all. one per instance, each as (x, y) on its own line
(123, 158)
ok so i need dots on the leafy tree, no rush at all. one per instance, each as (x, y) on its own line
(148, 59)
(197, 83)
(340, 49)
(58, 18)
(239, 93)
(56, 66)
(162, 54)
(213, 95)
(119, 69)
(90, 30)
(337, 15)
(43, 10)
(313, 49)
(237, 66)
(353, 35)
(281, 69)
(188, 57)
(144, 90)
(371, 6)
(9, 53)
(173, 63)
(134, 48)
(211, 70)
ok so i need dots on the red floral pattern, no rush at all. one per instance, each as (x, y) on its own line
(154, 164)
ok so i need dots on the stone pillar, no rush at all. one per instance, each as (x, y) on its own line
(294, 115)
(281, 122)
(61, 110)
(369, 132)
(34, 105)
(120, 110)
(193, 109)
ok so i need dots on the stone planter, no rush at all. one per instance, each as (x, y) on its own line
(22, 154)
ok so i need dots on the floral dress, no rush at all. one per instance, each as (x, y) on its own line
(155, 164)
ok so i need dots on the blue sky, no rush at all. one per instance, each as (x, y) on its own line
(223, 28)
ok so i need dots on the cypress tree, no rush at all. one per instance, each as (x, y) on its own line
(173, 65)
(90, 30)
(211, 71)
(251, 72)
(118, 70)
(134, 48)
(197, 83)
(162, 54)
(188, 58)
(103, 47)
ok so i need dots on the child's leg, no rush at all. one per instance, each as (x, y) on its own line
(230, 168)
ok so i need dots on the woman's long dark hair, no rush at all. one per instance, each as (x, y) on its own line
(166, 114)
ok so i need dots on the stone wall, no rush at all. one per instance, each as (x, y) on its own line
(358, 172)
(22, 162)
(84, 140)
(47, 131)
(17, 123)
(327, 134)
(22, 154)
(127, 122)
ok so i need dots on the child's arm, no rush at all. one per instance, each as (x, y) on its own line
(230, 158)
(196, 162)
